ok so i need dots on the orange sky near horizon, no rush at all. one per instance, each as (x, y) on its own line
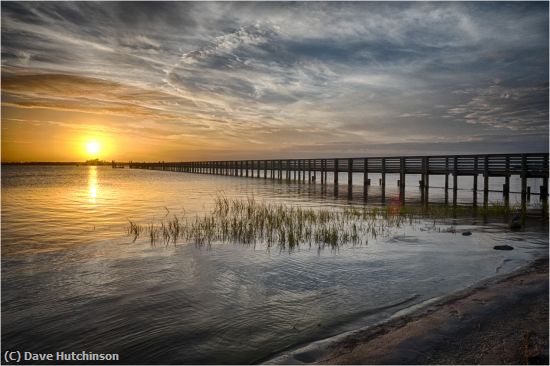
(187, 81)
(44, 135)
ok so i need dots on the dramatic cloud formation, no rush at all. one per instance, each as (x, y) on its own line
(179, 81)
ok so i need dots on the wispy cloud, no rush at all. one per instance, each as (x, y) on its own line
(303, 78)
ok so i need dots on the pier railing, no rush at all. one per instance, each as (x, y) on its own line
(529, 165)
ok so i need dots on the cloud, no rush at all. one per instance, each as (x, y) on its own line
(299, 75)
(517, 108)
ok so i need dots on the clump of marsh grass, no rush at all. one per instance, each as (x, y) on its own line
(134, 230)
(249, 221)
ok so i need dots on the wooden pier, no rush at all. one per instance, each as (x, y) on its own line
(315, 171)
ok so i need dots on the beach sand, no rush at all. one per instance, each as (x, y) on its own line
(503, 320)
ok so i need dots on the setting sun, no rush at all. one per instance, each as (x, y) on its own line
(93, 147)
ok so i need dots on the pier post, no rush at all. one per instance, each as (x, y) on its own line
(383, 180)
(335, 176)
(350, 178)
(486, 182)
(309, 170)
(423, 182)
(446, 180)
(523, 183)
(544, 187)
(365, 179)
(506, 190)
(288, 170)
(426, 179)
(402, 176)
(475, 182)
(322, 171)
(455, 180)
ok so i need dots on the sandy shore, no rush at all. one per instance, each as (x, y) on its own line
(503, 320)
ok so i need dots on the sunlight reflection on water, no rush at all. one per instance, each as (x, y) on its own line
(92, 183)
(64, 244)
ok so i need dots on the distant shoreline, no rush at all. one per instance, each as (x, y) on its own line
(57, 163)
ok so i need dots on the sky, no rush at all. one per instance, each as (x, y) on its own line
(180, 81)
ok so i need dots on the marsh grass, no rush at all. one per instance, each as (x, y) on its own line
(248, 221)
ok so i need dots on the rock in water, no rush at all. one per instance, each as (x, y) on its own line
(467, 233)
(503, 247)
(515, 225)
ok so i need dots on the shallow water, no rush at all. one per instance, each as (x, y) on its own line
(73, 281)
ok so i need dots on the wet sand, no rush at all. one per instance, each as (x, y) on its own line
(503, 320)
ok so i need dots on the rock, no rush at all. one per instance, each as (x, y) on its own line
(515, 225)
(467, 233)
(503, 247)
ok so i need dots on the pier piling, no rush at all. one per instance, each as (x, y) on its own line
(531, 165)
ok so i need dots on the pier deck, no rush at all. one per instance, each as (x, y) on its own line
(529, 165)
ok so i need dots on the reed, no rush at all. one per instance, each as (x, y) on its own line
(249, 221)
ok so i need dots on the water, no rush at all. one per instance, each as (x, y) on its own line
(72, 280)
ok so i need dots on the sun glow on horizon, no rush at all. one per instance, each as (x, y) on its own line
(93, 147)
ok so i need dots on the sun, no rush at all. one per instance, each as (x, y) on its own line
(93, 147)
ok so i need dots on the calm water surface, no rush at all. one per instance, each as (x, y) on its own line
(72, 280)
